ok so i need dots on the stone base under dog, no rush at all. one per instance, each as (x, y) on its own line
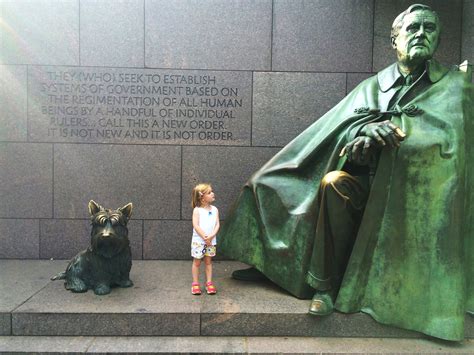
(160, 304)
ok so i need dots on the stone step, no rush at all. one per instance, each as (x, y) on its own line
(160, 304)
(222, 345)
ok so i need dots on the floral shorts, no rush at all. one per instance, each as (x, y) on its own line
(199, 250)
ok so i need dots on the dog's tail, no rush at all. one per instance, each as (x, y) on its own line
(60, 276)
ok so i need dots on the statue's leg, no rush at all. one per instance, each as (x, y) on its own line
(125, 282)
(75, 284)
(74, 275)
(342, 199)
(125, 265)
(102, 289)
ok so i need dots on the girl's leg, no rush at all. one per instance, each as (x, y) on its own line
(195, 269)
(208, 262)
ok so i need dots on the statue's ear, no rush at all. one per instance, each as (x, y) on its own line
(94, 207)
(392, 42)
(127, 210)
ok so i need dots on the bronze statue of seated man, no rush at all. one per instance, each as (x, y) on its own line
(371, 207)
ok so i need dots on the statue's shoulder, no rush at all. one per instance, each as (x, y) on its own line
(456, 74)
(384, 79)
(366, 89)
(387, 77)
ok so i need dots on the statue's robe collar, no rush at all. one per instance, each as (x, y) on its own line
(388, 77)
(390, 81)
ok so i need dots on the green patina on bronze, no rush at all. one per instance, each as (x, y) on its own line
(412, 264)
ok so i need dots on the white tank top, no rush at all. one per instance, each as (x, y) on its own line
(207, 222)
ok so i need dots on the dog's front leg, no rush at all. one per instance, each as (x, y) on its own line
(102, 289)
(124, 265)
(75, 284)
(125, 283)
(75, 272)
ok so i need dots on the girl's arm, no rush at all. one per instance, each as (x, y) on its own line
(196, 224)
(216, 227)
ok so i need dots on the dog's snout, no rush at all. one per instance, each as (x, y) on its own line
(108, 231)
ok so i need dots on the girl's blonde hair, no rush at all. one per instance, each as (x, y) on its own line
(198, 191)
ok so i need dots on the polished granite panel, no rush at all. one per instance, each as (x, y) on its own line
(39, 32)
(285, 104)
(208, 34)
(19, 239)
(322, 35)
(139, 106)
(13, 103)
(467, 50)
(114, 175)
(26, 180)
(112, 33)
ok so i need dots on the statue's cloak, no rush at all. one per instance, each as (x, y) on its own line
(412, 265)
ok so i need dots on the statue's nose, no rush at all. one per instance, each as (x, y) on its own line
(421, 32)
(107, 230)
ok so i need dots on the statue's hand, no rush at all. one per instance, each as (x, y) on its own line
(384, 133)
(358, 150)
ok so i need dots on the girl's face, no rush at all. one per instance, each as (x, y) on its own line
(208, 197)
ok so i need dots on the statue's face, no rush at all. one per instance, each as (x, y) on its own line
(418, 37)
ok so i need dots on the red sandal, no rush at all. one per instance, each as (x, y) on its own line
(210, 288)
(195, 288)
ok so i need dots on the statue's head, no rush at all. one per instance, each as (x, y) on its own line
(415, 34)
(109, 235)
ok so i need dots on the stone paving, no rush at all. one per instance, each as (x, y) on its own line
(159, 314)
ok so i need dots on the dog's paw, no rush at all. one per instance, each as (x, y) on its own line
(76, 285)
(125, 283)
(102, 290)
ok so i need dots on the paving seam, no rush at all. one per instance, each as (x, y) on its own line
(90, 344)
(29, 298)
(246, 344)
(200, 323)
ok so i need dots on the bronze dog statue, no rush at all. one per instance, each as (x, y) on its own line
(107, 262)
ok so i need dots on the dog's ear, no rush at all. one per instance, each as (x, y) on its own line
(127, 210)
(94, 207)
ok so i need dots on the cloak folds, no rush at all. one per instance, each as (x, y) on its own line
(412, 264)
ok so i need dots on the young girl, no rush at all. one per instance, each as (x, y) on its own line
(205, 227)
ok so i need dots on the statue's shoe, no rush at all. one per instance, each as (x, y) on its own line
(321, 304)
(251, 274)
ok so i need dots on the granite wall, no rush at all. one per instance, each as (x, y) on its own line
(138, 100)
